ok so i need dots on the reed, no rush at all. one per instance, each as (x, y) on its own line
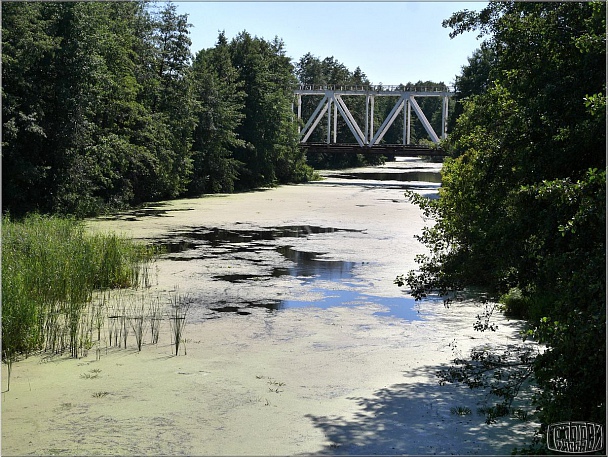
(180, 305)
(9, 360)
(113, 329)
(100, 311)
(155, 314)
(124, 326)
(50, 268)
(115, 319)
(137, 312)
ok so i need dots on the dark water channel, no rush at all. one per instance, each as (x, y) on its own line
(422, 179)
(404, 176)
(333, 280)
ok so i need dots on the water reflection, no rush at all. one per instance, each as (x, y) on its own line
(308, 265)
(334, 280)
(400, 307)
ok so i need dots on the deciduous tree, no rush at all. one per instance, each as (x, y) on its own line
(522, 206)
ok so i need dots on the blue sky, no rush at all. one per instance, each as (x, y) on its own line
(392, 42)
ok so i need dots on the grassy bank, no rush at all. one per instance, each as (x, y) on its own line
(50, 268)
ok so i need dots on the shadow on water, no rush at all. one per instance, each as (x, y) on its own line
(427, 182)
(148, 211)
(237, 240)
(333, 280)
(414, 418)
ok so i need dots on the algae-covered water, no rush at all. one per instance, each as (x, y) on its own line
(244, 266)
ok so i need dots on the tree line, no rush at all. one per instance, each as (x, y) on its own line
(104, 107)
(521, 213)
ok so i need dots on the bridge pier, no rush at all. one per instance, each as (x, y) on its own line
(407, 122)
(444, 118)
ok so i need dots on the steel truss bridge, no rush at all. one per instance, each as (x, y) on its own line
(367, 139)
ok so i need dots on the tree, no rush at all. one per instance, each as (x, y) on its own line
(219, 112)
(309, 71)
(96, 79)
(271, 153)
(96, 106)
(75, 87)
(474, 80)
(27, 55)
(521, 211)
(172, 102)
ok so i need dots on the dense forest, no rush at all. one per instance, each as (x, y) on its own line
(522, 209)
(104, 107)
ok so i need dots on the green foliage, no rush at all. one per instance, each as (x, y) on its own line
(50, 268)
(474, 80)
(521, 211)
(96, 106)
(103, 108)
(514, 303)
(27, 50)
(172, 100)
(220, 103)
(270, 154)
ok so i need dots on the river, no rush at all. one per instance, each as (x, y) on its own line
(296, 341)
(335, 242)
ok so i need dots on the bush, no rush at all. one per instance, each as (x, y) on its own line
(514, 304)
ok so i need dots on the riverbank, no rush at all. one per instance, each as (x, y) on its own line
(345, 379)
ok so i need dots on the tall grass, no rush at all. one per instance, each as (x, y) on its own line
(180, 305)
(50, 268)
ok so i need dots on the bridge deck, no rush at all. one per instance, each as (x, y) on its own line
(400, 150)
(394, 91)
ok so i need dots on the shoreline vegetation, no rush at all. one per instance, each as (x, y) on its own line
(521, 212)
(60, 284)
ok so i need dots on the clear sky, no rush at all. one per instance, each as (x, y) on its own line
(392, 42)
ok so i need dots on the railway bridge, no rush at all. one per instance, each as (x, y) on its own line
(366, 139)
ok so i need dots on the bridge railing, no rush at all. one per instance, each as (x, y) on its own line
(378, 88)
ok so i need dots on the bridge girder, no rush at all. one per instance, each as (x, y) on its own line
(332, 98)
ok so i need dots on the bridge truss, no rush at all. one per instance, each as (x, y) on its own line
(367, 139)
